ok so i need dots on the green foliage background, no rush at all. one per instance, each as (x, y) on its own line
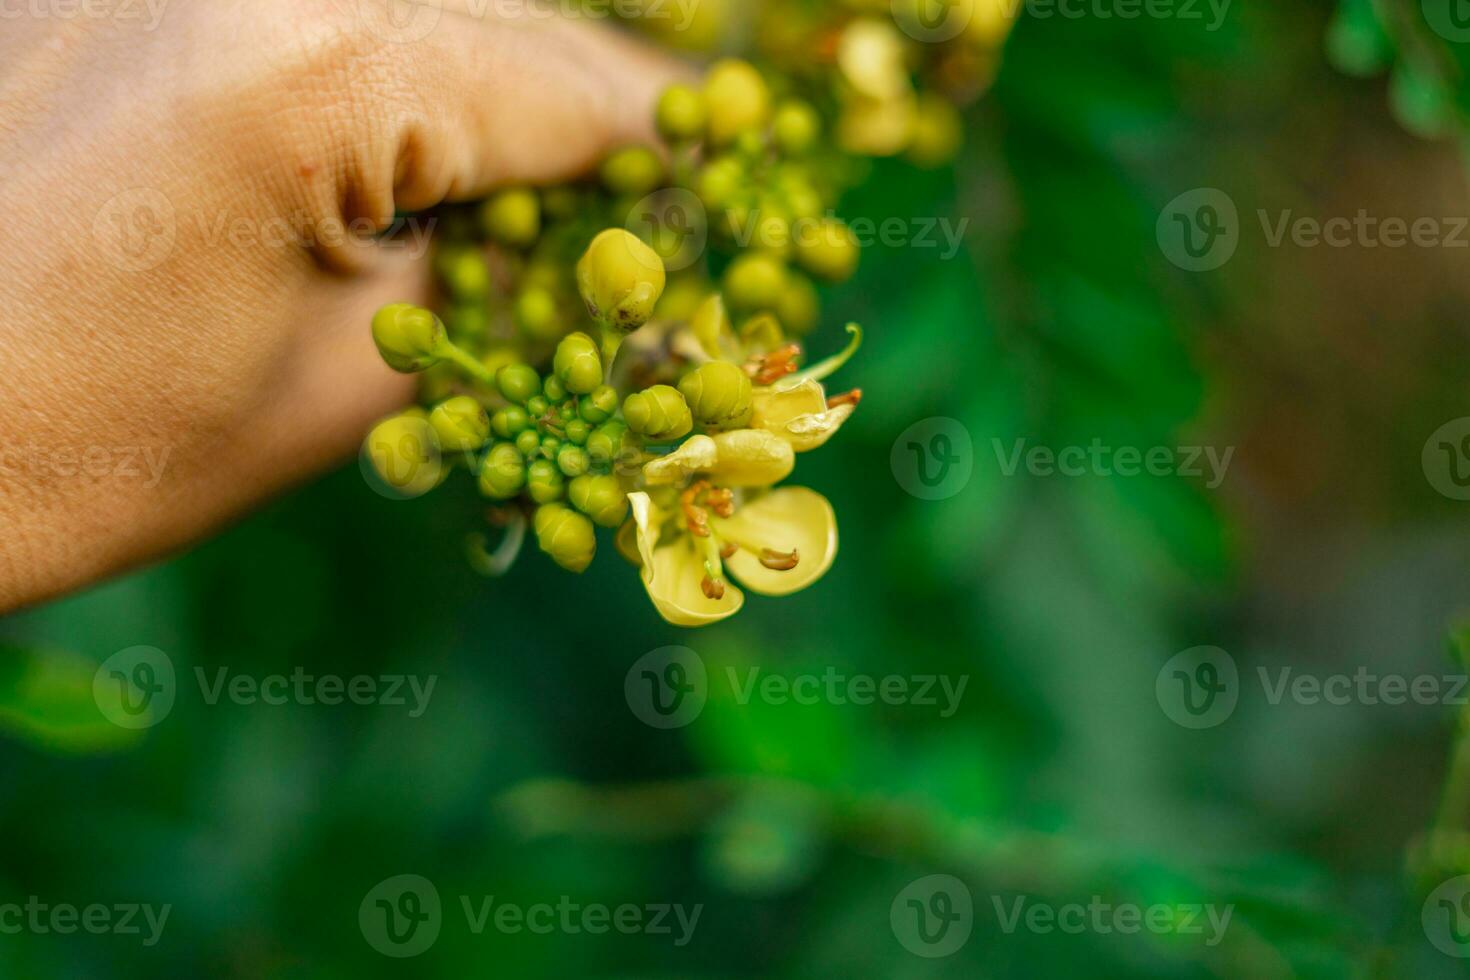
(795, 826)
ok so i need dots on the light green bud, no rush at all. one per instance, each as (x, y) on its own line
(528, 442)
(577, 431)
(600, 498)
(502, 472)
(518, 382)
(720, 182)
(550, 446)
(537, 315)
(577, 364)
(660, 413)
(554, 390)
(567, 411)
(572, 460)
(461, 423)
(405, 454)
(680, 114)
(537, 406)
(620, 279)
(510, 421)
(512, 217)
(796, 127)
(718, 394)
(736, 99)
(799, 305)
(607, 442)
(827, 249)
(600, 405)
(544, 481)
(633, 170)
(755, 281)
(464, 272)
(565, 535)
(409, 337)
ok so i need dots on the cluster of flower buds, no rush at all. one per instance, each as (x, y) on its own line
(626, 353)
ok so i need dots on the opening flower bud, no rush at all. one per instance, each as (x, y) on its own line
(620, 279)
(409, 338)
(528, 443)
(502, 472)
(577, 431)
(554, 390)
(512, 217)
(572, 460)
(461, 423)
(577, 364)
(718, 394)
(544, 481)
(828, 250)
(600, 498)
(519, 383)
(680, 114)
(660, 413)
(565, 535)
(633, 170)
(736, 100)
(600, 405)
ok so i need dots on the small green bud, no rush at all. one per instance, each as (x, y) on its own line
(633, 170)
(461, 423)
(578, 364)
(827, 249)
(720, 182)
(566, 411)
(502, 472)
(468, 321)
(577, 431)
(607, 442)
(620, 279)
(600, 498)
(537, 315)
(718, 394)
(550, 446)
(796, 128)
(537, 406)
(600, 405)
(680, 115)
(510, 421)
(409, 337)
(554, 390)
(404, 452)
(572, 460)
(528, 442)
(518, 382)
(544, 481)
(565, 535)
(660, 413)
(464, 272)
(938, 132)
(755, 281)
(799, 305)
(736, 100)
(512, 217)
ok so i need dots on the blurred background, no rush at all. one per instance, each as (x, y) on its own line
(1061, 777)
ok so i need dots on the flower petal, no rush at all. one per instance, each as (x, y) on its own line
(798, 414)
(698, 454)
(787, 519)
(751, 458)
(648, 521)
(673, 582)
(807, 432)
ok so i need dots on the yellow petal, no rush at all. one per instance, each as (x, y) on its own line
(673, 582)
(791, 518)
(698, 454)
(798, 414)
(807, 432)
(751, 458)
(648, 520)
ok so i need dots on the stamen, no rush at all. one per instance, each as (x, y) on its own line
(779, 561)
(767, 369)
(846, 398)
(712, 589)
(729, 549)
(721, 500)
(695, 517)
(713, 583)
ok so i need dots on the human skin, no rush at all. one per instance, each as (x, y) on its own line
(178, 287)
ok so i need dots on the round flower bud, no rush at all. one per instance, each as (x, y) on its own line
(600, 405)
(528, 442)
(718, 394)
(572, 460)
(600, 498)
(659, 413)
(799, 305)
(512, 217)
(544, 481)
(550, 446)
(719, 182)
(607, 442)
(755, 281)
(469, 322)
(464, 272)
(620, 280)
(537, 315)
(510, 421)
(680, 115)
(565, 535)
(502, 472)
(554, 390)
(518, 382)
(827, 249)
(409, 338)
(566, 411)
(736, 100)
(537, 406)
(404, 452)
(577, 364)
(633, 170)
(796, 128)
(938, 132)
(461, 423)
(577, 431)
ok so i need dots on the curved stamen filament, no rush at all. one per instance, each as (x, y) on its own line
(846, 398)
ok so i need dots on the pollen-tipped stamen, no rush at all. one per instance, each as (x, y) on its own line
(780, 561)
(767, 369)
(846, 398)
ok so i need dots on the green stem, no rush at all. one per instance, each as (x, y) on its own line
(472, 365)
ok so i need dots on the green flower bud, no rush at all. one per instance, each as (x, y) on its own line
(528, 442)
(537, 406)
(660, 413)
(561, 202)
(461, 423)
(577, 431)
(404, 452)
(796, 128)
(680, 115)
(567, 411)
(544, 481)
(827, 249)
(518, 382)
(512, 217)
(600, 405)
(938, 132)
(502, 472)
(554, 390)
(736, 99)
(755, 281)
(464, 272)
(600, 498)
(720, 182)
(565, 535)
(578, 364)
(620, 280)
(469, 322)
(718, 394)
(607, 442)
(799, 305)
(537, 315)
(572, 460)
(409, 338)
(633, 170)
(510, 421)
